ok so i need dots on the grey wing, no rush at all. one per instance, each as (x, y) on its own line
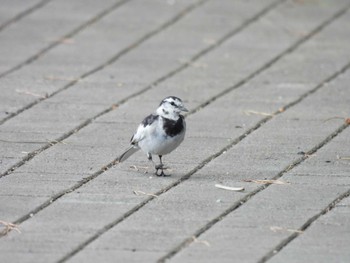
(146, 127)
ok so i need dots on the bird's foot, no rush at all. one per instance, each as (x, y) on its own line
(160, 170)
(160, 166)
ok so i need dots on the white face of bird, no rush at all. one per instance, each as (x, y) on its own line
(171, 107)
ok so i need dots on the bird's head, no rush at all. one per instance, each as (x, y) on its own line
(171, 107)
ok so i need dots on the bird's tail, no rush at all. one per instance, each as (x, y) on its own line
(130, 151)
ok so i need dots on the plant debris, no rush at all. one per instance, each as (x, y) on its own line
(237, 189)
(137, 192)
(204, 242)
(347, 120)
(7, 228)
(52, 142)
(66, 40)
(27, 92)
(250, 112)
(266, 181)
(306, 154)
(279, 229)
(137, 168)
(343, 158)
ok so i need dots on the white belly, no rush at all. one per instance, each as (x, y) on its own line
(161, 144)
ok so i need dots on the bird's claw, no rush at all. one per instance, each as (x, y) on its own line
(161, 169)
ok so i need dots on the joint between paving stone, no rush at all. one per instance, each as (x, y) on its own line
(203, 166)
(23, 14)
(252, 194)
(303, 228)
(68, 35)
(197, 56)
(103, 65)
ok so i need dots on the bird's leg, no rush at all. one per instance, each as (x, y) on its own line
(149, 156)
(160, 167)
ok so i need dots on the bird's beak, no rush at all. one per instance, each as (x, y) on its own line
(183, 109)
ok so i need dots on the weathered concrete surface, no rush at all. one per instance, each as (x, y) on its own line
(34, 32)
(275, 58)
(13, 10)
(86, 51)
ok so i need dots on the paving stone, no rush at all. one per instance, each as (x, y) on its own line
(325, 240)
(12, 8)
(34, 32)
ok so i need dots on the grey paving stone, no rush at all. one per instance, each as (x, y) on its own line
(12, 8)
(35, 31)
(326, 239)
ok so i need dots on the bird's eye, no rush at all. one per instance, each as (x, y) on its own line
(172, 103)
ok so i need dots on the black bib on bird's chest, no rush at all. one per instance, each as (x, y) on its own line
(172, 127)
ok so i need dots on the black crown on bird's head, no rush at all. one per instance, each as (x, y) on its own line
(173, 101)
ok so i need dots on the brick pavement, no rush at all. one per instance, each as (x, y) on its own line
(266, 81)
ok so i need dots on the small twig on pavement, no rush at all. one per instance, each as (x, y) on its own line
(27, 92)
(250, 112)
(278, 229)
(266, 181)
(343, 158)
(334, 118)
(137, 192)
(307, 154)
(204, 242)
(52, 142)
(66, 40)
(8, 227)
(137, 168)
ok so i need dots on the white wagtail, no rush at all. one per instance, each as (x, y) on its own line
(159, 133)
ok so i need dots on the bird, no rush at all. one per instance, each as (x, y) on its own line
(159, 133)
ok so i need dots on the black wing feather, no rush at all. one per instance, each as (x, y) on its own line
(149, 119)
